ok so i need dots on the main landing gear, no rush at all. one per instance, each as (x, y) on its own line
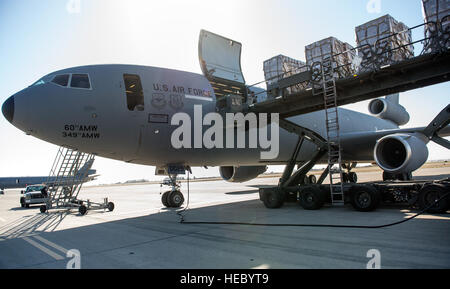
(308, 191)
(173, 198)
(349, 176)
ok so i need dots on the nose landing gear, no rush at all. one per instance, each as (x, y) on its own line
(173, 198)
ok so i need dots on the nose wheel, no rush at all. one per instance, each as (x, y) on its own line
(173, 198)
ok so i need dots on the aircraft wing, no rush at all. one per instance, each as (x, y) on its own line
(358, 144)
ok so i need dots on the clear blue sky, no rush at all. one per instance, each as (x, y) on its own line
(38, 37)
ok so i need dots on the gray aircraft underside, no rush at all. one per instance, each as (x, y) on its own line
(96, 118)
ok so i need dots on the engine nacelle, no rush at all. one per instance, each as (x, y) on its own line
(401, 153)
(240, 174)
(385, 109)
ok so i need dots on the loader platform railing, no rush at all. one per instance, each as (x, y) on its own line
(373, 77)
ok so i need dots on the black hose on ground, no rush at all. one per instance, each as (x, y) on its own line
(180, 212)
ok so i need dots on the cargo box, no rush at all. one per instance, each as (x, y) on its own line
(383, 41)
(344, 58)
(437, 15)
(279, 67)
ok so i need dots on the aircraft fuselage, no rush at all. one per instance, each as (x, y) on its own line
(102, 118)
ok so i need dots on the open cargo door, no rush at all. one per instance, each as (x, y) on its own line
(220, 60)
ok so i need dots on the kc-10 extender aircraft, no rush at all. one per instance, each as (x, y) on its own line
(126, 112)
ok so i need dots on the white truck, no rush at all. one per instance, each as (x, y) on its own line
(33, 195)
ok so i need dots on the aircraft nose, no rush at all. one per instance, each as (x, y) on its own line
(8, 109)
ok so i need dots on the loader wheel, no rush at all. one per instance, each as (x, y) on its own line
(429, 194)
(82, 210)
(273, 199)
(364, 198)
(312, 198)
(110, 206)
(164, 199)
(312, 179)
(43, 208)
(175, 199)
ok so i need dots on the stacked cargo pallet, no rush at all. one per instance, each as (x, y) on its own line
(343, 55)
(383, 41)
(280, 67)
(437, 30)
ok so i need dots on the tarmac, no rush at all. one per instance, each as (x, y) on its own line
(140, 233)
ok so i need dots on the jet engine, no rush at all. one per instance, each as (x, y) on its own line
(389, 110)
(241, 174)
(401, 153)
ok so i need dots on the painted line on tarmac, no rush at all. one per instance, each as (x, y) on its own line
(51, 244)
(44, 249)
(3, 220)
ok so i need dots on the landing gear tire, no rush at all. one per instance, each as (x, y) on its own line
(345, 178)
(352, 177)
(312, 198)
(305, 180)
(175, 199)
(273, 199)
(43, 208)
(164, 200)
(82, 210)
(110, 206)
(364, 198)
(429, 194)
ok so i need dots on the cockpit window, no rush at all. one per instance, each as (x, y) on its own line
(39, 82)
(80, 81)
(135, 93)
(62, 79)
